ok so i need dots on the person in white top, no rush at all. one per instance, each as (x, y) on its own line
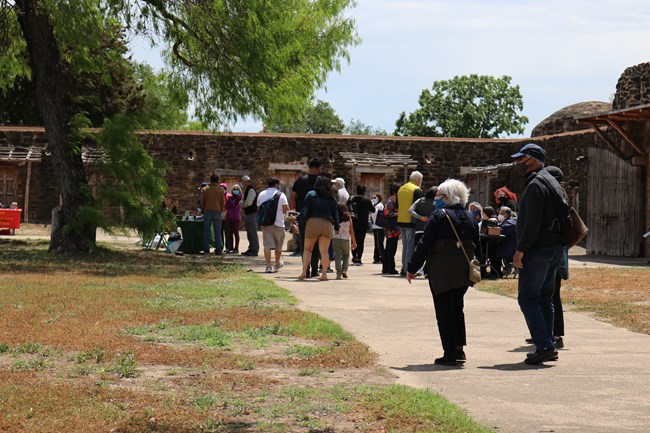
(377, 232)
(342, 194)
(273, 235)
(341, 242)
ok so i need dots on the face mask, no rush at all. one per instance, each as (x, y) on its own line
(476, 213)
(440, 203)
(503, 199)
(501, 218)
(521, 168)
(235, 191)
(374, 201)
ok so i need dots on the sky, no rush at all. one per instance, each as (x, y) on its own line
(558, 52)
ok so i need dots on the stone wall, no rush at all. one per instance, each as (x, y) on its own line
(633, 87)
(192, 157)
(44, 193)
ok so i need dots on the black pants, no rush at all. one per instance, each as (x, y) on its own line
(558, 318)
(451, 320)
(388, 262)
(379, 236)
(360, 235)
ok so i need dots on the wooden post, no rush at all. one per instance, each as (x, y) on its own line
(26, 204)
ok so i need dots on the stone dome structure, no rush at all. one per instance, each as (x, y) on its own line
(563, 120)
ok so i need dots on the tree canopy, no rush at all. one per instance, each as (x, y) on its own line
(357, 127)
(321, 118)
(232, 58)
(318, 118)
(474, 106)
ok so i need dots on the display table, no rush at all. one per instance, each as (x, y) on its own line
(192, 232)
(9, 220)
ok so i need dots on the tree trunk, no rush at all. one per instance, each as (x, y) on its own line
(49, 75)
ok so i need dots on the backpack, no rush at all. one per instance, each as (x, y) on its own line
(354, 209)
(267, 211)
(570, 226)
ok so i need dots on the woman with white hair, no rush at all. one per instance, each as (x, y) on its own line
(447, 266)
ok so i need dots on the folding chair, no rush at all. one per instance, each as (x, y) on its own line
(158, 240)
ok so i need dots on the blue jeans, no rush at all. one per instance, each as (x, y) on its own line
(212, 219)
(536, 287)
(251, 233)
(408, 245)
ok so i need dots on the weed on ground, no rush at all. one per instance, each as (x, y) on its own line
(127, 341)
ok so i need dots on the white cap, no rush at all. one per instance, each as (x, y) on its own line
(338, 180)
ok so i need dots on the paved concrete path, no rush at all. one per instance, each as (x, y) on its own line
(600, 384)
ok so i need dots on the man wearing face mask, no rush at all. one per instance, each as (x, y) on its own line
(539, 250)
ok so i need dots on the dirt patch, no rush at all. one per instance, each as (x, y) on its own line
(620, 295)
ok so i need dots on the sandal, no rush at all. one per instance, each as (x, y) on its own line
(323, 279)
(302, 276)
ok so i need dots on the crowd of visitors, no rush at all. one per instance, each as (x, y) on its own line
(440, 232)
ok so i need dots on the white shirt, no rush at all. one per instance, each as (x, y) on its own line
(267, 194)
(342, 196)
(379, 207)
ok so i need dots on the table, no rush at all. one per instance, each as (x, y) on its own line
(9, 220)
(192, 232)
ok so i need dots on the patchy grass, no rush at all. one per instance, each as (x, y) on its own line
(620, 295)
(129, 341)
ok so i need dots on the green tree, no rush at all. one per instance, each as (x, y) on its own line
(357, 127)
(165, 103)
(319, 118)
(233, 58)
(474, 106)
(98, 93)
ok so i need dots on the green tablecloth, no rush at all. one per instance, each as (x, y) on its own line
(192, 232)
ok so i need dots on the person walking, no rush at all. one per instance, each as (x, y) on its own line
(273, 235)
(539, 252)
(321, 219)
(302, 185)
(407, 194)
(212, 204)
(449, 241)
(250, 217)
(341, 242)
(361, 208)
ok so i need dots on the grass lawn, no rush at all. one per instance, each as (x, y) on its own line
(620, 295)
(127, 341)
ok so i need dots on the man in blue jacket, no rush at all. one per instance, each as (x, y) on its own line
(539, 250)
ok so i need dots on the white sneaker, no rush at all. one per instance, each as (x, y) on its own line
(281, 264)
(269, 269)
(275, 268)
